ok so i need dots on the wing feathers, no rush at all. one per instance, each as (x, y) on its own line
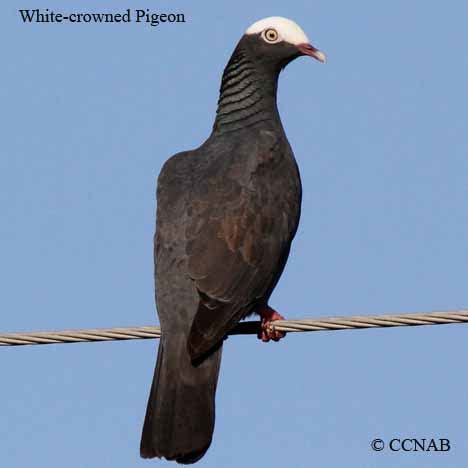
(241, 218)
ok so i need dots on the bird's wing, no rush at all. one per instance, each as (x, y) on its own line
(176, 296)
(238, 239)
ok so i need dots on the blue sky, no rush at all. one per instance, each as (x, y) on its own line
(89, 113)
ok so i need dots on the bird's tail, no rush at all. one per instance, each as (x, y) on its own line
(180, 416)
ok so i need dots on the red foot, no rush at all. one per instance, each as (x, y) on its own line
(269, 315)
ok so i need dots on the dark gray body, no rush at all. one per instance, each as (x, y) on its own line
(227, 213)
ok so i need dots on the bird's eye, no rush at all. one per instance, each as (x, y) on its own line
(270, 35)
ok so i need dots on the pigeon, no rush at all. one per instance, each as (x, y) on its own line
(227, 213)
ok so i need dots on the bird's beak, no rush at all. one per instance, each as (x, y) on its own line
(311, 51)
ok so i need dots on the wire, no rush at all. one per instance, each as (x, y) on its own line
(243, 328)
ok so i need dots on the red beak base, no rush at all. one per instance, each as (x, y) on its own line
(311, 51)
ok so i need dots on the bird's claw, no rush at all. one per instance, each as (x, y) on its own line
(267, 328)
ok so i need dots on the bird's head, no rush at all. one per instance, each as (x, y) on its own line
(276, 41)
(250, 79)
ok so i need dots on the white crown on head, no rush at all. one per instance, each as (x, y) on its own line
(288, 30)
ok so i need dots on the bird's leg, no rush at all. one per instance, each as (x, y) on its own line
(269, 315)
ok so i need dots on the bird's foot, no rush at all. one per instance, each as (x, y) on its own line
(267, 332)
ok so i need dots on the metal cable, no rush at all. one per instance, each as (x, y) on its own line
(243, 328)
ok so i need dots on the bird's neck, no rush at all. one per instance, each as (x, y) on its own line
(247, 96)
